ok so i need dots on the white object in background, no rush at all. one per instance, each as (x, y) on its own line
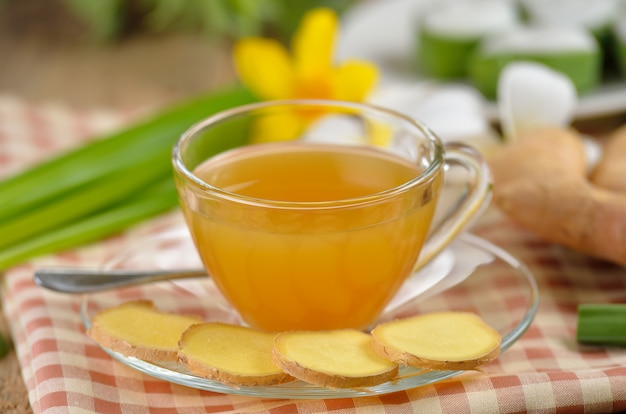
(334, 128)
(455, 112)
(592, 15)
(385, 33)
(531, 95)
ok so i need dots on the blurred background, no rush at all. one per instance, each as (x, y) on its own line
(131, 53)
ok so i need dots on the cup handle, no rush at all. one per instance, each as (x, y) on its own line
(470, 204)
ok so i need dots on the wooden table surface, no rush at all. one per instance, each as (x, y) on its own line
(46, 57)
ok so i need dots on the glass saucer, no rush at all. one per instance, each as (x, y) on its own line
(500, 289)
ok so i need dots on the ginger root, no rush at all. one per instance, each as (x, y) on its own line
(540, 182)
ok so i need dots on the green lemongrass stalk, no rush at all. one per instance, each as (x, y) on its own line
(64, 174)
(602, 324)
(102, 193)
(158, 198)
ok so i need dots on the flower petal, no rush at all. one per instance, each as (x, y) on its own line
(264, 66)
(281, 126)
(313, 42)
(353, 80)
(379, 134)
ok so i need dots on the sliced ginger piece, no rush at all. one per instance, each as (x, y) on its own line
(138, 329)
(338, 359)
(438, 341)
(231, 354)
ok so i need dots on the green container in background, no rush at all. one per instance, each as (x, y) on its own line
(571, 51)
(619, 35)
(450, 32)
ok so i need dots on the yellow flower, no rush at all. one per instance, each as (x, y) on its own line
(270, 72)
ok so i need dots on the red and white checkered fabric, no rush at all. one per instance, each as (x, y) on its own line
(66, 372)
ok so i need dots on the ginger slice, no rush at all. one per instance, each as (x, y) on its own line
(138, 329)
(338, 359)
(231, 354)
(438, 341)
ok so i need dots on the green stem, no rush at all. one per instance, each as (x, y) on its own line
(602, 324)
(104, 192)
(157, 199)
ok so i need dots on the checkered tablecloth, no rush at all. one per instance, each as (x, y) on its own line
(65, 372)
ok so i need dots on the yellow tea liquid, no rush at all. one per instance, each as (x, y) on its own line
(334, 265)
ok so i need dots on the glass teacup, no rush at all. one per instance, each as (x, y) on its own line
(319, 228)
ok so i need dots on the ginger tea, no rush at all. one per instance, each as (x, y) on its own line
(287, 243)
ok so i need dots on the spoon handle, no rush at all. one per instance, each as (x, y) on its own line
(76, 280)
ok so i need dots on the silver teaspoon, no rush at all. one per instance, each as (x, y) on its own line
(75, 280)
